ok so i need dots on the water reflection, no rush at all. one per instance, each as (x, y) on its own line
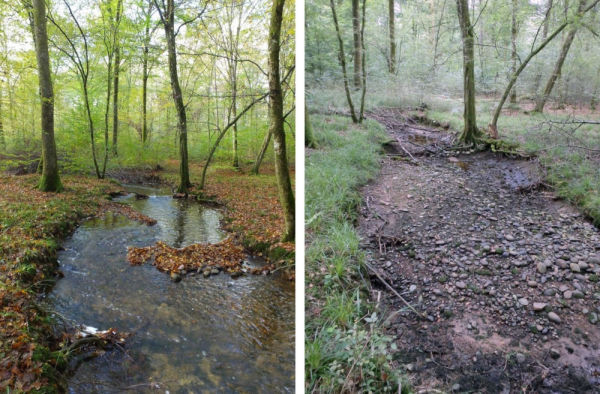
(199, 335)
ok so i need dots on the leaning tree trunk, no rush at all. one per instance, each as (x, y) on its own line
(513, 79)
(470, 132)
(169, 24)
(357, 45)
(541, 102)
(50, 181)
(391, 18)
(286, 195)
(513, 36)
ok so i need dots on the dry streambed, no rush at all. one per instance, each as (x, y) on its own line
(505, 275)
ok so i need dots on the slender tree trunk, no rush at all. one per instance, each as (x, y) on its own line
(116, 79)
(309, 139)
(538, 76)
(342, 58)
(286, 195)
(470, 131)
(50, 181)
(357, 45)
(116, 101)
(541, 102)
(437, 37)
(220, 137)
(513, 36)
(2, 138)
(235, 163)
(145, 75)
(169, 25)
(109, 81)
(392, 23)
(261, 153)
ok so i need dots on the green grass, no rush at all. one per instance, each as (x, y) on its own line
(574, 172)
(345, 347)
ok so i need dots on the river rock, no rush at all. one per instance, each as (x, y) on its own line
(539, 306)
(175, 277)
(575, 267)
(461, 284)
(555, 354)
(214, 271)
(553, 317)
(523, 301)
(206, 272)
(541, 268)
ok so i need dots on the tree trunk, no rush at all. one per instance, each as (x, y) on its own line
(261, 154)
(169, 25)
(513, 36)
(116, 79)
(309, 139)
(357, 45)
(470, 131)
(2, 138)
(342, 58)
(538, 76)
(109, 76)
(541, 102)
(235, 163)
(145, 75)
(50, 181)
(116, 100)
(286, 195)
(391, 18)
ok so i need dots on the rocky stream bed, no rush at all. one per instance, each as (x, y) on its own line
(505, 275)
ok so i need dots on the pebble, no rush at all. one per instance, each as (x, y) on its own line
(175, 277)
(575, 267)
(461, 285)
(523, 301)
(539, 306)
(553, 317)
(554, 353)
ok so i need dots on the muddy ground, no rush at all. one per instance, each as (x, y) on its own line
(505, 275)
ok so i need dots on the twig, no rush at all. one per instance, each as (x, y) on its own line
(407, 152)
(412, 308)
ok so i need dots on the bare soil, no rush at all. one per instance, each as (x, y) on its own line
(479, 245)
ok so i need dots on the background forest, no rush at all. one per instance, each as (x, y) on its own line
(119, 49)
(516, 76)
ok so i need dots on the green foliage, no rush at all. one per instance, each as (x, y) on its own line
(345, 347)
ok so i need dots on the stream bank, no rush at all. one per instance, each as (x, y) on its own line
(505, 274)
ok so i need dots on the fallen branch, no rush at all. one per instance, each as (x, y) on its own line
(412, 308)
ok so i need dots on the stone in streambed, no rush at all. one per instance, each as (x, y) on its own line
(175, 277)
(553, 317)
(539, 306)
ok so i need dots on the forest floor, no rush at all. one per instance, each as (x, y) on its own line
(505, 274)
(32, 225)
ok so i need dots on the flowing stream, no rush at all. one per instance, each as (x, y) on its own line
(214, 334)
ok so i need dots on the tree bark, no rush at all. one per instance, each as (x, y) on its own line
(261, 153)
(541, 102)
(470, 132)
(50, 180)
(145, 75)
(116, 100)
(513, 36)
(357, 44)
(392, 23)
(2, 138)
(286, 195)
(546, 23)
(168, 20)
(342, 58)
(309, 139)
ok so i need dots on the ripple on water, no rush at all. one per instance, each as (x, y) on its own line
(215, 335)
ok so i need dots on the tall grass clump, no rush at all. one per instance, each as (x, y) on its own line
(346, 349)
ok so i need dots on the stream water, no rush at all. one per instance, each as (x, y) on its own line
(214, 334)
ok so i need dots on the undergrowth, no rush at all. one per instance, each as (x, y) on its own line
(346, 349)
